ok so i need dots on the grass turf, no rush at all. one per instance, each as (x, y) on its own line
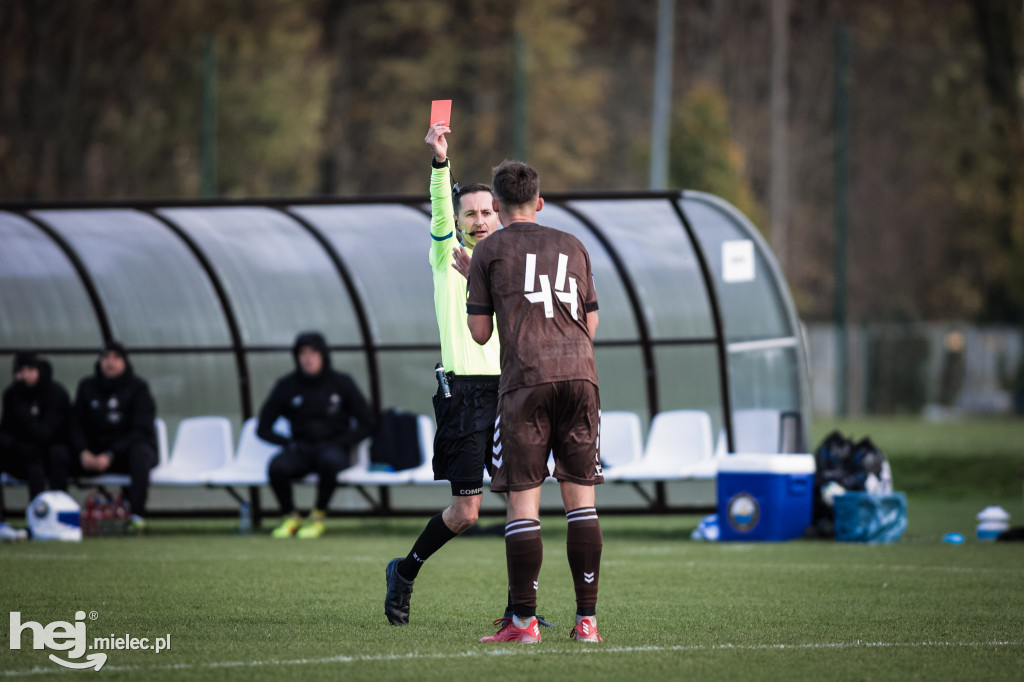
(257, 608)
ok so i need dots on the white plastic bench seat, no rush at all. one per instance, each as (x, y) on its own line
(679, 446)
(249, 465)
(103, 480)
(162, 451)
(622, 440)
(202, 444)
(756, 430)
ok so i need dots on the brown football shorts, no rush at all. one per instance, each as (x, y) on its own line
(562, 418)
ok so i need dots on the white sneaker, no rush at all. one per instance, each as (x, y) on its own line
(8, 534)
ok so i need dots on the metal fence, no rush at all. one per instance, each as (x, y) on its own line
(935, 369)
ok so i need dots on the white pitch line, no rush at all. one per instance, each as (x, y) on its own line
(696, 648)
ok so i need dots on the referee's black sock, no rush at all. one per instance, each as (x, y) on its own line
(433, 538)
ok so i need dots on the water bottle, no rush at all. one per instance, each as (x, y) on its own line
(107, 516)
(121, 516)
(89, 520)
(245, 519)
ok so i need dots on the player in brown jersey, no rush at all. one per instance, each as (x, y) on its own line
(538, 283)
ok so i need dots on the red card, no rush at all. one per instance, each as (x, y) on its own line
(441, 110)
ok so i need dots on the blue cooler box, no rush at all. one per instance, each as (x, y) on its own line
(764, 498)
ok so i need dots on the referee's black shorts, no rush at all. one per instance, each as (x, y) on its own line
(465, 427)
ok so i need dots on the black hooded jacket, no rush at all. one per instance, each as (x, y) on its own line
(319, 408)
(112, 415)
(37, 415)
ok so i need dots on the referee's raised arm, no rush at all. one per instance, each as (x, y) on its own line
(442, 212)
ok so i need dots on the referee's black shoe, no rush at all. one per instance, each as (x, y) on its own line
(396, 602)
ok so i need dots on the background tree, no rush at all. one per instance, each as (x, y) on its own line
(101, 99)
(704, 156)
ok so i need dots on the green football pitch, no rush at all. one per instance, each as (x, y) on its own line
(250, 607)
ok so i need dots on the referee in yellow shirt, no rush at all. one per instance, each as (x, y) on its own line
(465, 421)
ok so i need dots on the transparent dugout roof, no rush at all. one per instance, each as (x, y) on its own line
(384, 247)
(154, 291)
(278, 277)
(283, 270)
(656, 251)
(747, 294)
(617, 318)
(43, 302)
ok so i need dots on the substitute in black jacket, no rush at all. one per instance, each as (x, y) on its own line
(112, 429)
(321, 405)
(33, 424)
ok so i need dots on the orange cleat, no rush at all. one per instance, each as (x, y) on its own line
(585, 631)
(510, 633)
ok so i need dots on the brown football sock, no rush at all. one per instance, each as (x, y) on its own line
(583, 545)
(524, 553)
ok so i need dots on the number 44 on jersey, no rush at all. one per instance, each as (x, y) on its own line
(544, 295)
